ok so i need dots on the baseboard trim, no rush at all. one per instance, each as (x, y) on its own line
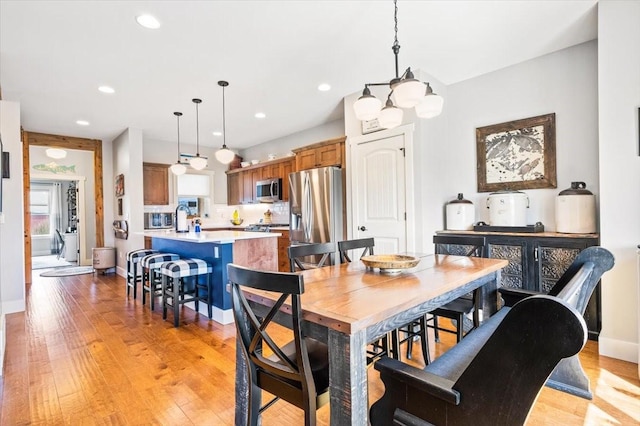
(12, 306)
(618, 349)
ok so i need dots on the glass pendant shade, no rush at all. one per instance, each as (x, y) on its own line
(56, 153)
(408, 93)
(198, 163)
(225, 155)
(178, 169)
(390, 116)
(430, 106)
(367, 107)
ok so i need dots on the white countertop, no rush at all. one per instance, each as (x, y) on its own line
(208, 236)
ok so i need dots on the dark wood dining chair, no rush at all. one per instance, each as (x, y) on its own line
(364, 246)
(298, 371)
(308, 256)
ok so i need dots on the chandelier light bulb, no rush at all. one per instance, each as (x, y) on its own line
(225, 155)
(367, 107)
(178, 169)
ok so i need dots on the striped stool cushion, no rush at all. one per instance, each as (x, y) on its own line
(155, 261)
(134, 256)
(185, 268)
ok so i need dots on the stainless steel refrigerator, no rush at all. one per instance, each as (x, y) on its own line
(315, 205)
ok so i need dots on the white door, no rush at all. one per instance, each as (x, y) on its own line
(378, 192)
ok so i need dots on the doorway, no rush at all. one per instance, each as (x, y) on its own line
(96, 215)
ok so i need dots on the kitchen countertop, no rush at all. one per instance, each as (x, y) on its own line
(208, 236)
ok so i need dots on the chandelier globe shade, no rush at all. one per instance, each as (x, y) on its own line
(430, 106)
(367, 107)
(225, 155)
(56, 153)
(178, 168)
(198, 162)
(408, 92)
(390, 116)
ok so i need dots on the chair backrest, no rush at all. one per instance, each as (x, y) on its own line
(363, 243)
(460, 245)
(60, 237)
(260, 349)
(601, 259)
(308, 256)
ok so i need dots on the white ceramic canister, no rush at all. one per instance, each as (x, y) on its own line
(460, 214)
(508, 208)
(576, 210)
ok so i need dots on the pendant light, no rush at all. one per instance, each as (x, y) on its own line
(224, 154)
(197, 162)
(406, 92)
(178, 168)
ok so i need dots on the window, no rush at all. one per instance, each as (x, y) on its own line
(40, 212)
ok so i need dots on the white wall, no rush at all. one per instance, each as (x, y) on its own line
(619, 100)
(127, 160)
(12, 296)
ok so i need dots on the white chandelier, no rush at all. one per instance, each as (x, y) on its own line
(406, 92)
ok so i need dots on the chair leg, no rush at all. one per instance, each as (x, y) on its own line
(460, 328)
(165, 298)
(209, 297)
(178, 288)
(424, 340)
(436, 332)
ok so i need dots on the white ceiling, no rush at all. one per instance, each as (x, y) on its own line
(55, 54)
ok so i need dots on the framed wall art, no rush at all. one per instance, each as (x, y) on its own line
(516, 155)
(120, 185)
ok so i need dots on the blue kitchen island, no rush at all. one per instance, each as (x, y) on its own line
(256, 250)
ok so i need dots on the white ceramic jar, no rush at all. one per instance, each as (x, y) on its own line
(576, 210)
(460, 214)
(508, 208)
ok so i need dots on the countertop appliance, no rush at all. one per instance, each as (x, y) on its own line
(158, 220)
(315, 206)
(508, 208)
(576, 210)
(460, 214)
(269, 190)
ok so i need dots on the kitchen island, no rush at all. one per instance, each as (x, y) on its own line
(257, 250)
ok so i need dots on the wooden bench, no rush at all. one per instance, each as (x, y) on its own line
(495, 373)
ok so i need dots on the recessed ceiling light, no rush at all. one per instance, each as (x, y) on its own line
(148, 21)
(260, 115)
(106, 89)
(82, 122)
(216, 133)
(324, 87)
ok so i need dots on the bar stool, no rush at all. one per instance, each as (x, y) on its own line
(133, 258)
(151, 278)
(175, 287)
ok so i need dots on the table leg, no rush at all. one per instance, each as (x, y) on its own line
(348, 378)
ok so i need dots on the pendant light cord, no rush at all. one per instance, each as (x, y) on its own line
(224, 123)
(197, 131)
(178, 115)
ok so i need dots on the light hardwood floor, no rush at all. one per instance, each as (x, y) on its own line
(83, 353)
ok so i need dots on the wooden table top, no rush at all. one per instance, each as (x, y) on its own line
(350, 297)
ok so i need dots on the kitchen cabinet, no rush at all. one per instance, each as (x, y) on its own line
(155, 181)
(321, 154)
(537, 260)
(234, 189)
(241, 183)
(283, 257)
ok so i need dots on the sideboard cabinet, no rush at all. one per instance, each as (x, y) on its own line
(537, 260)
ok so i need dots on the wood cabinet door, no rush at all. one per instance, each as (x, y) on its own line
(286, 168)
(271, 171)
(234, 189)
(283, 257)
(329, 155)
(306, 159)
(249, 179)
(155, 181)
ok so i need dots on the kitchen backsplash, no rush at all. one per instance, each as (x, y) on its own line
(250, 213)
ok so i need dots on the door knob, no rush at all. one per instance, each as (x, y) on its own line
(363, 228)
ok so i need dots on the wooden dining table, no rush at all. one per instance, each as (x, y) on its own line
(349, 305)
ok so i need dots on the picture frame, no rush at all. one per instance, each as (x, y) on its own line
(119, 185)
(515, 155)
(5, 173)
(370, 126)
(119, 206)
(1, 173)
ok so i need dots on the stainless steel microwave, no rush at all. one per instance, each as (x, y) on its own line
(269, 190)
(158, 220)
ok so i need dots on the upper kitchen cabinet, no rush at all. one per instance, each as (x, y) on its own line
(234, 189)
(241, 183)
(321, 154)
(155, 179)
